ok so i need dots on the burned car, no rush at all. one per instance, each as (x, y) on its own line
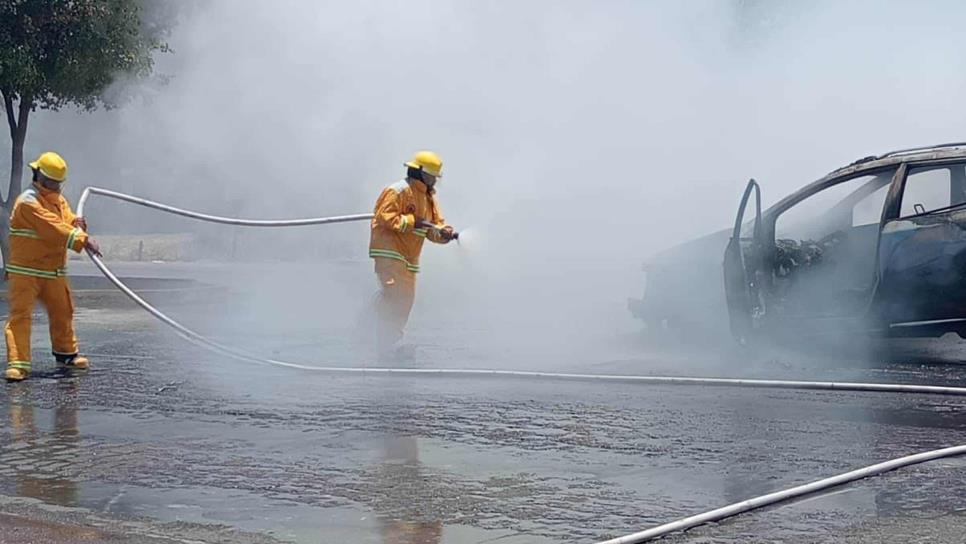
(877, 247)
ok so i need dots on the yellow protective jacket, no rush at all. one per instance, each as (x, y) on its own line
(394, 233)
(41, 232)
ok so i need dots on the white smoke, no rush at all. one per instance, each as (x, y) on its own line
(578, 137)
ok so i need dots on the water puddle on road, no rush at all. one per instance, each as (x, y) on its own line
(289, 521)
(43, 456)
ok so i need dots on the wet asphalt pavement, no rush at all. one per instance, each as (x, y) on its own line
(162, 442)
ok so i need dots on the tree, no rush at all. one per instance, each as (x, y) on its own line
(59, 53)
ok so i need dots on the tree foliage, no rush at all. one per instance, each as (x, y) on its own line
(59, 53)
(55, 53)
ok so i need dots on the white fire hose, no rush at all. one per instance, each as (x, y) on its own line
(643, 536)
(787, 494)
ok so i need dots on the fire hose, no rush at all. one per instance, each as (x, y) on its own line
(679, 525)
(780, 496)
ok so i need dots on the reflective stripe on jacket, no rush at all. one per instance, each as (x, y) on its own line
(41, 232)
(400, 207)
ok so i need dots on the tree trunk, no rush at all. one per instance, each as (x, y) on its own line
(18, 136)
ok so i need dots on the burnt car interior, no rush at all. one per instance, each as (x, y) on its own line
(878, 246)
(825, 250)
(824, 258)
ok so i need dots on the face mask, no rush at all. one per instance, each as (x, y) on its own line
(429, 181)
(51, 186)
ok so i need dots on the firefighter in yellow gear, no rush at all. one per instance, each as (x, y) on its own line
(406, 214)
(42, 229)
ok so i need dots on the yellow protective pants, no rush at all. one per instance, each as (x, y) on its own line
(397, 292)
(55, 295)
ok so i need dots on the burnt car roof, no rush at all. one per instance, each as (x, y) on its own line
(868, 164)
(954, 150)
(940, 151)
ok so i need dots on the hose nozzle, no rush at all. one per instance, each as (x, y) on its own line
(428, 225)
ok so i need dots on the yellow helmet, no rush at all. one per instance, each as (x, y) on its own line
(428, 162)
(51, 165)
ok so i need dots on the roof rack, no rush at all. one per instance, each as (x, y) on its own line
(900, 152)
(923, 148)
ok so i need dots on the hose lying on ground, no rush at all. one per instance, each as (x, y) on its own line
(787, 494)
(221, 349)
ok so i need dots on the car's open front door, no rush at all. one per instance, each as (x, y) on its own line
(742, 267)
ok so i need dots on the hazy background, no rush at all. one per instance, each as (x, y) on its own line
(578, 137)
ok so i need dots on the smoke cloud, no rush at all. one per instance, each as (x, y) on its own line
(578, 138)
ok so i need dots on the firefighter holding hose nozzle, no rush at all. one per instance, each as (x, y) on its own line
(406, 214)
(42, 229)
